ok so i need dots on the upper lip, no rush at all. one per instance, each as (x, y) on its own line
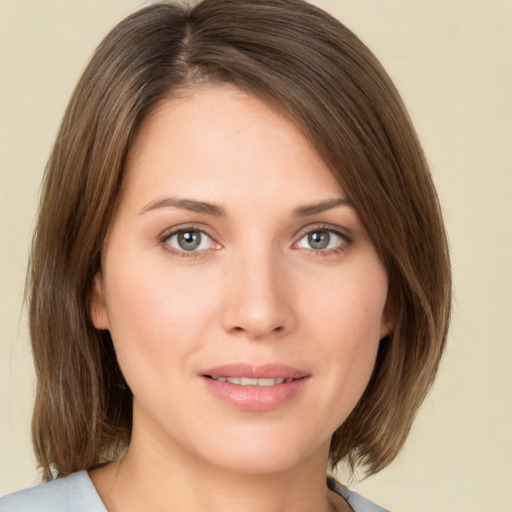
(255, 371)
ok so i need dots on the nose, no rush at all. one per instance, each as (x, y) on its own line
(259, 298)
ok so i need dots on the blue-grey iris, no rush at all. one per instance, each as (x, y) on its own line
(189, 240)
(319, 239)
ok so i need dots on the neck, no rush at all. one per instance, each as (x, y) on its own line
(149, 480)
(157, 473)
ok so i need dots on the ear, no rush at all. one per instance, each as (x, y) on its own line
(388, 319)
(98, 310)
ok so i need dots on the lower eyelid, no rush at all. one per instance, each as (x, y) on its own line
(344, 239)
(164, 241)
(327, 252)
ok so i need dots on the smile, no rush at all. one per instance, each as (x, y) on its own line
(255, 387)
(247, 381)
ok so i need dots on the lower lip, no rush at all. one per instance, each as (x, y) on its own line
(256, 398)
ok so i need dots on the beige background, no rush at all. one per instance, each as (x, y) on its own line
(452, 60)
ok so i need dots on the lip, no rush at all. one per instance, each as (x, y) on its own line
(255, 398)
(255, 371)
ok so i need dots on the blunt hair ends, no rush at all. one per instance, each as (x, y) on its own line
(312, 69)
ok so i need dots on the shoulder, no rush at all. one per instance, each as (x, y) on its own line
(357, 502)
(74, 493)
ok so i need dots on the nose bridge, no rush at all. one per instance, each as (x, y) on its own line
(258, 302)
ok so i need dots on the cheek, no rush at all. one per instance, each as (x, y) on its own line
(346, 320)
(156, 317)
(349, 306)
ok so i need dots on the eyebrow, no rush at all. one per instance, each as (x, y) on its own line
(212, 209)
(304, 211)
(186, 204)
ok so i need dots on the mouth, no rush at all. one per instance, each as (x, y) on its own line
(248, 381)
(255, 388)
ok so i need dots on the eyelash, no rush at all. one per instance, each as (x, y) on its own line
(164, 238)
(346, 241)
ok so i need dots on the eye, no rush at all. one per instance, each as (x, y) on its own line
(189, 240)
(322, 240)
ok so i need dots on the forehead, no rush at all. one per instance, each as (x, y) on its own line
(217, 140)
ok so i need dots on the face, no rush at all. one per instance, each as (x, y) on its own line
(241, 290)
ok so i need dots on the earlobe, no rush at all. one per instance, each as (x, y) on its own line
(388, 320)
(386, 329)
(98, 310)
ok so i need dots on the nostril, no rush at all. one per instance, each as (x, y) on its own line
(257, 318)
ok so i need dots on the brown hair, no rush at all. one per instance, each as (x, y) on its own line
(311, 68)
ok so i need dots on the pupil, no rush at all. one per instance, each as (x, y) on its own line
(189, 240)
(319, 239)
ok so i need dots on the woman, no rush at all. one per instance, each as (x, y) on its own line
(239, 275)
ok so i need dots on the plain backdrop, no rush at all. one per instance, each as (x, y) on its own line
(452, 62)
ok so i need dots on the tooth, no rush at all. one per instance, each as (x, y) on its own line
(267, 382)
(245, 381)
(248, 381)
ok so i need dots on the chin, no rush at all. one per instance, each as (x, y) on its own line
(260, 455)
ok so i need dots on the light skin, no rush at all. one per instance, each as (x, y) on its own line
(234, 244)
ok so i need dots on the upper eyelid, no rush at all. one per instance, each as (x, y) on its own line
(163, 241)
(346, 239)
(344, 232)
(168, 232)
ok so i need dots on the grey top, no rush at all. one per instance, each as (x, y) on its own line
(76, 493)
